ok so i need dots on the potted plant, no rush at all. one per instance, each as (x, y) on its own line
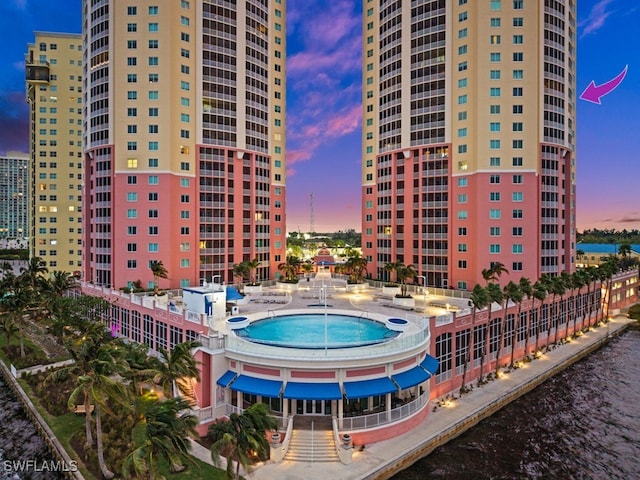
(403, 273)
(346, 439)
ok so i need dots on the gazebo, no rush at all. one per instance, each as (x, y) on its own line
(323, 260)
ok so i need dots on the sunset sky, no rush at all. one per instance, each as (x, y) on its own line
(323, 105)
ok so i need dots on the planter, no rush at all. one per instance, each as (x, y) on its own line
(291, 287)
(390, 291)
(237, 323)
(252, 289)
(356, 287)
(407, 302)
(397, 324)
(275, 437)
(346, 439)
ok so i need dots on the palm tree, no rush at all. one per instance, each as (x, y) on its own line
(60, 283)
(240, 437)
(252, 265)
(577, 281)
(539, 293)
(35, 271)
(508, 292)
(9, 328)
(392, 267)
(161, 431)
(16, 303)
(556, 289)
(495, 295)
(527, 290)
(174, 365)
(494, 272)
(478, 300)
(290, 268)
(610, 268)
(159, 271)
(357, 267)
(517, 295)
(85, 348)
(404, 273)
(591, 277)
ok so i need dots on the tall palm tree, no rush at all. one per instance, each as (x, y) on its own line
(494, 272)
(241, 436)
(495, 295)
(85, 349)
(527, 291)
(516, 295)
(8, 328)
(162, 431)
(61, 282)
(478, 300)
(16, 303)
(508, 292)
(252, 265)
(591, 278)
(357, 267)
(290, 267)
(159, 271)
(35, 271)
(556, 289)
(392, 267)
(577, 281)
(404, 273)
(176, 364)
(539, 293)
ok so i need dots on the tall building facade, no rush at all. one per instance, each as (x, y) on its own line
(184, 115)
(469, 137)
(54, 93)
(14, 196)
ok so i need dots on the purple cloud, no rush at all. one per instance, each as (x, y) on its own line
(596, 19)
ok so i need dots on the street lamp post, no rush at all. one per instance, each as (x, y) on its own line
(424, 284)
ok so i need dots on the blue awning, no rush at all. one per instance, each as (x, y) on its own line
(312, 391)
(430, 364)
(233, 294)
(227, 378)
(369, 388)
(257, 386)
(411, 378)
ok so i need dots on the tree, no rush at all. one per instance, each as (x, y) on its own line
(404, 273)
(159, 271)
(161, 431)
(357, 267)
(591, 277)
(527, 290)
(16, 303)
(556, 288)
(511, 291)
(494, 272)
(478, 300)
(577, 280)
(241, 270)
(174, 365)
(539, 293)
(8, 328)
(391, 267)
(290, 268)
(495, 295)
(252, 265)
(517, 295)
(240, 437)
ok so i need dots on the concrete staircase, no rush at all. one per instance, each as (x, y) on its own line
(312, 446)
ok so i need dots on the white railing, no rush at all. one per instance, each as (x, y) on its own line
(402, 343)
(373, 420)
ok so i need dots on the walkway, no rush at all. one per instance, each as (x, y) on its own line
(379, 460)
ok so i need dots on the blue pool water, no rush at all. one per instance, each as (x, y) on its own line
(308, 331)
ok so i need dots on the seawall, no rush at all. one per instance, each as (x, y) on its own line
(54, 446)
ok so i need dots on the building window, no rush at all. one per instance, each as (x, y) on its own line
(517, 214)
(494, 57)
(494, 179)
(517, 179)
(462, 231)
(517, 126)
(494, 214)
(518, 56)
(462, 247)
(517, 196)
(494, 91)
(494, 74)
(462, 264)
(517, 161)
(463, 181)
(516, 248)
(494, 126)
(517, 144)
(494, 231)
(494, 144)
(494, 196)
(518, 39)
(462, 215)
(495, 22)
(494, 248)
(462, 33)
(516, 267)
(516, 231)
(494, 161)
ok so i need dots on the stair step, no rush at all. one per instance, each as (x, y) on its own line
(312, 446)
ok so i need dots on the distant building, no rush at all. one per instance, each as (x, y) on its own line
(54, 93)
(14, 199)
(593, 254)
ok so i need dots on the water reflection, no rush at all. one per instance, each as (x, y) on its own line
(582, 424)
(19, 442)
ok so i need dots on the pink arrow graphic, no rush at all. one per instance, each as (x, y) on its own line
(594, 92)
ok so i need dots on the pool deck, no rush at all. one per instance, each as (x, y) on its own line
(383, 459)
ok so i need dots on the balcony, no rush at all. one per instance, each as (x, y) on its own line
(37, 72)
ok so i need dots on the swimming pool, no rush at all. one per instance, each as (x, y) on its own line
(308, 331)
